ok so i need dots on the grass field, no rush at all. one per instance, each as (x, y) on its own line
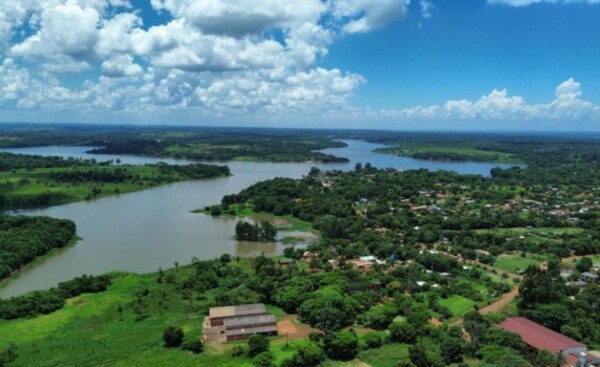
(514, 263)
(283, 223)
(457, 305)
(385, 356)
(88, 332)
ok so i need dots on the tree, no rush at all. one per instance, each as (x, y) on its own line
(584, 264)
(476, 326)
(543, 358)
(308, 354)
(402, 332)
(264, 359)
(342, 346)
(258, 343)
(422, 357)
(173, 337)
(451, 349)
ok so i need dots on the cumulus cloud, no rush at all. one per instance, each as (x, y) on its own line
(530, 2)
(366, 15)
(121, 66)
(242, 17)
(499, 105)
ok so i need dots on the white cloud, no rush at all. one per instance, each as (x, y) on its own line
(121, 66)
(242, 17)
(61, 46)
(366, 15)
(498, 105)
(530, 2)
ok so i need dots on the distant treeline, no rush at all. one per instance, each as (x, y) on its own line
(22, 239)
(48, 301)
(195, 171)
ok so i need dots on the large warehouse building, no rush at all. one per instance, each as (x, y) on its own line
(239, 322)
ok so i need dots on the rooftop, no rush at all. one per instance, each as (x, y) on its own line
(538, 336)
(241, 310)
(237, 322)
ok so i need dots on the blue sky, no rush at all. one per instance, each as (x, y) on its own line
(468, 47)
(393, 64)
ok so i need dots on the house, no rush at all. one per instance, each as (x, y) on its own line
(308, 256)
(371, 259)
(218, 315)
(284, 263)
(589, 277)
(540, 337)
(361, 265)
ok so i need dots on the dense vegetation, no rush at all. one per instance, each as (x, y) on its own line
(22, 239)
(208, 144)
(34, 181)
(48, 301)
(263, 232)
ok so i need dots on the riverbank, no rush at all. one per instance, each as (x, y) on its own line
(48, 186)
(38, 261)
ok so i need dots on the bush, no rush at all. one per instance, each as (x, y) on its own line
(372, 341)
(238, 351)
(173, 337)
(258, 344)
(402, 332)
(264, 359)
(195, 346)
(342, 345)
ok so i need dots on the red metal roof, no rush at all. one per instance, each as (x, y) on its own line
(538, 336)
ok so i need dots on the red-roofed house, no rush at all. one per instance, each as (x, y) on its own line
(540, 337)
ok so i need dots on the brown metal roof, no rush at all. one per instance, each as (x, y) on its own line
(538, 336)
(233, 311)
(244, 321)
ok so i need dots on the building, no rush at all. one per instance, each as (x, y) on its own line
(245, 333)
(239, 328)
(218, 315)
(589, 277)
(540, 337)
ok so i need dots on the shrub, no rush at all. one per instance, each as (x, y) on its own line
(195, 346)
(372, 341)
(173, 337)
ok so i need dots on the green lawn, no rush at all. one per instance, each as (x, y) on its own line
(386, 356)
(513, 264)
(457, 305)
(283, 223)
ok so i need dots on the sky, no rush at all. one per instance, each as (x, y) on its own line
(447, 65)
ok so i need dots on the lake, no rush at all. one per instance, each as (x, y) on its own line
(145, 230)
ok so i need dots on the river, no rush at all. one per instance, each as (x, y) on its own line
(145, 230)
